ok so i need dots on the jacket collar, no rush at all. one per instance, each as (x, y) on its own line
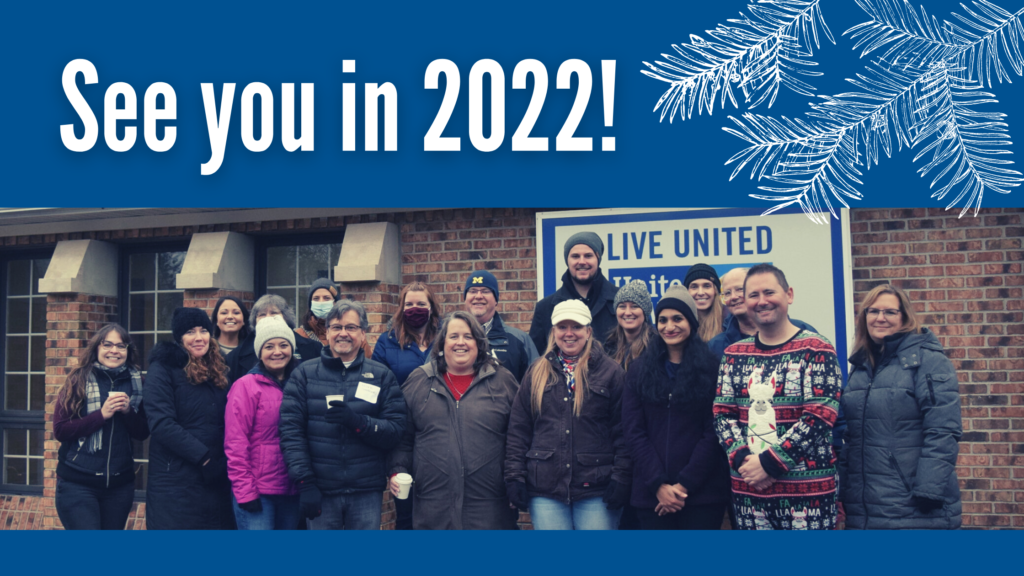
(486, 371)
(601, 290)
(905, 346)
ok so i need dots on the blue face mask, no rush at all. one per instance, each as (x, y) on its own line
(321, 309)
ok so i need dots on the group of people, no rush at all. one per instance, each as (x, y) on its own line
(611, 413)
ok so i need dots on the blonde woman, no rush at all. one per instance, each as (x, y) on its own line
(566, 458)
(633, 331)
(706, 288)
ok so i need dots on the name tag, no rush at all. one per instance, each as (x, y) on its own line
(367, 392)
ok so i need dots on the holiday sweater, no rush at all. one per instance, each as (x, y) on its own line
(779, 403)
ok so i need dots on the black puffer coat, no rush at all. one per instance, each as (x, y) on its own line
(186, 423)
(903, 425)
(336, 459)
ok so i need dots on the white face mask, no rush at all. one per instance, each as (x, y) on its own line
(321, 309)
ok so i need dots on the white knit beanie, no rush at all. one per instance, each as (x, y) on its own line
(272, 327)
(574, 310)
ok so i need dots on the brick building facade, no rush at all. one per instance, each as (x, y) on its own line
(964, 276)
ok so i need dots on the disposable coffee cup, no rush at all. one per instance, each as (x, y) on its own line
(404, 485)
(333, 397)
(115, 394)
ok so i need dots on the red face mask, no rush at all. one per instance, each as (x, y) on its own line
(416, 317)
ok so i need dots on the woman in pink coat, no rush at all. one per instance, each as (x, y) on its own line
(263, 496)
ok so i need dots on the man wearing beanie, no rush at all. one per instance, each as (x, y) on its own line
(582, 281)
(511, 346)
(776, 404)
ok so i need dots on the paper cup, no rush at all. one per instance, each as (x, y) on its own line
(114, 394)
(333, 397)
(404, 485)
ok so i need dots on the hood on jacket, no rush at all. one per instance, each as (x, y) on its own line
(169, 353)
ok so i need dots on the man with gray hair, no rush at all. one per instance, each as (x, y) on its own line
(241, 360)
(340, 417)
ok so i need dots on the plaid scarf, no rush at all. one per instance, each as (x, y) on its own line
(569, 369)
(92, 398)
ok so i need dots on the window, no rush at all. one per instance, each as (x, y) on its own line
(23, 360)
(289, 269)
(152, 295)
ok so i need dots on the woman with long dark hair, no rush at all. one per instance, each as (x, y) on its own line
(902, 406)
(633, 331)
(185, 396)
(97, 414)
(680, 474)
(230, 323)
(566, 459)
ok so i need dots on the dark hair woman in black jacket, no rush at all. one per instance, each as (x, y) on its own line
(680, 474)
(97, 414)
(186, 396)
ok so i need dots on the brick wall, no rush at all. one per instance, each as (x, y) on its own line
(965, 280)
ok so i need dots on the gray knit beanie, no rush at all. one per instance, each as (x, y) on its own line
(678, 298)
(587, 238)
(270, 328)
(635, 292)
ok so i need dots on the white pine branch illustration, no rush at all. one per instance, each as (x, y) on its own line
(816, 160)
(754, 54)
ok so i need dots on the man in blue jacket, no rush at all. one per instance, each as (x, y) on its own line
(511, 346)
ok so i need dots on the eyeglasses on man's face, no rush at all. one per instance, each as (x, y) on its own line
(350, 328)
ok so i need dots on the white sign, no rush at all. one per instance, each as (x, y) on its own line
(659, 247)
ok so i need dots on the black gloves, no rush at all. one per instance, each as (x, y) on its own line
(340, 413)
(616, 495)
(253, 507)
(927, 505)
(517, 495)
(216, 470)
(309, 500)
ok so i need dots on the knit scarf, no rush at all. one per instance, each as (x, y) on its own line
(318, 329)
(569, 369)
(92, 398)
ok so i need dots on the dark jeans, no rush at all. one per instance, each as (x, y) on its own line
(707, 517)
(280, 512)
(82, 507)
(359, 511)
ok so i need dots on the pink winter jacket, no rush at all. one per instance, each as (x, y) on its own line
(251, 441)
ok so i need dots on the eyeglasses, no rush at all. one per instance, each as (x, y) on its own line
(889, 312)
(351, 328)
(107, 345)
(728, 294)
(479, 291)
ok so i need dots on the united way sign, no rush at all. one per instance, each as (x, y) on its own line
(660, 246)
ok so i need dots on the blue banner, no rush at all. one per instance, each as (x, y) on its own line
(522, 103)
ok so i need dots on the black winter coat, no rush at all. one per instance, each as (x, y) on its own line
(559, 455)
(186, 423)
(903, 425)
(600, 299)
(511, 347)
(241, 360)
(672, 443)
(339, 460)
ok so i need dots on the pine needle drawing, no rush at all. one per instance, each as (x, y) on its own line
(754, 54)
(924, 90)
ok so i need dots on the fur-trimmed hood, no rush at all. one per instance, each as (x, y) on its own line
(169, 353)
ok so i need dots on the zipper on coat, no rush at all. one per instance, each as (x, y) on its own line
(863, 415)
(931, 389)
(110, 448)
